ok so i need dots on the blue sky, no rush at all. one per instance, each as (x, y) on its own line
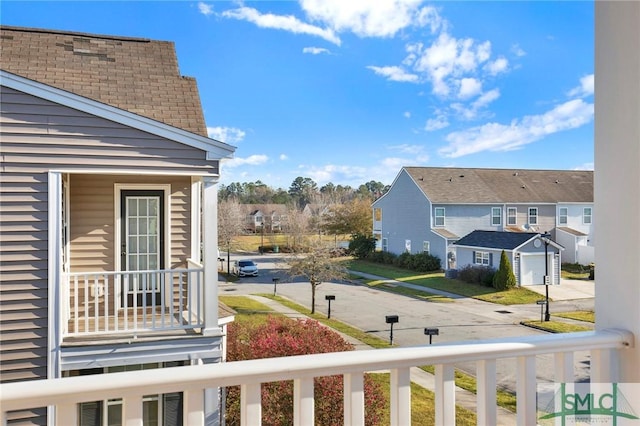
(351, 91)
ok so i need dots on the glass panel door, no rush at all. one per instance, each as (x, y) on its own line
(142, 246)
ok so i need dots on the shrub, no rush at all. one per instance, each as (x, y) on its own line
(361, 245)
(281, 336)
(475, 274)
(504, 279)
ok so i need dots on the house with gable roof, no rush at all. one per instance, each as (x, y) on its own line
(428, 209)
(526, 252)
(108, 212)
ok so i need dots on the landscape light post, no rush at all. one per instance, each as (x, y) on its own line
(329, 298)
(391, 319)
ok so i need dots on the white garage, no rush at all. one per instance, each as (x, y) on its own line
(532, 268)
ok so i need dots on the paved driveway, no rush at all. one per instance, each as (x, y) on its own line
(567, 290)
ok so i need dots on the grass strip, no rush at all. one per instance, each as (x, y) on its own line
(556, 326)
(587, 316)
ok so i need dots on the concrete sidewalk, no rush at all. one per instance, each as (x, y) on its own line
(464, 398)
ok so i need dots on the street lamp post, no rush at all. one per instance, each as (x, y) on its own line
(545, 238)
(261, 236)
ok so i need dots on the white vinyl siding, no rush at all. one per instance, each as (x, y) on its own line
(512, 216)
(438, 216)
(563, 216)
(496, 216)
(533, 216)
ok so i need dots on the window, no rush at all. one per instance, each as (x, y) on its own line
(482, 258)
(425, 247)
(377, 214)
(496, 216)
(407, 246)
(385, 244)
(586, 215)
(562, 216)
(438, 219)
(533, 215)
(512, 214)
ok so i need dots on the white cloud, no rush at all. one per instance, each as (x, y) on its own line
(407, 114)
(517, 50)
(394, 74)
(287, 23)
(440, 122)
(205, 9)
(498, 66)
(469, 87)
(407, 149)
(586, 87)
(365, 18)
(252, 160)
(335, 173)
(584, 166)
(226, 134)
(447, 60)
(283, 157)
(502, 137)
(315, 50)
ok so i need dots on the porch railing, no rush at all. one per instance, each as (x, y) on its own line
(65, 393)
(133, 301)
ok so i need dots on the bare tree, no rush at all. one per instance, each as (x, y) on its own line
(296, 226)
(317, 266)
(231, 223)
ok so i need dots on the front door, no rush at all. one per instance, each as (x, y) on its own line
(142, 219)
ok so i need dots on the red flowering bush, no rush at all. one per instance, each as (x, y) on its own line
(281, 336)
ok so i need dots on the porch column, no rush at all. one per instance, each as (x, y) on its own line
(210, 254)
(617, 180)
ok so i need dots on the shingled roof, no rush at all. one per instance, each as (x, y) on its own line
(469, 185)
(495, 239)
(133, 74)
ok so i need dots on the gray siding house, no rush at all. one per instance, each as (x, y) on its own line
(108, 210)
(428, 209)
(525, 251)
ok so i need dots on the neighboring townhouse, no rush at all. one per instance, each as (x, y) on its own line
(428, 209)
(532, 255)
(108, 211)
(268, 217)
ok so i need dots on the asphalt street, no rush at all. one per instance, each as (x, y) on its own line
(366, 308)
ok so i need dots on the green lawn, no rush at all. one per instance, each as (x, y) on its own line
(588, 316)
(515, 296)
(557, 326)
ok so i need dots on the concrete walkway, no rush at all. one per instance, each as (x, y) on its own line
(464, 398)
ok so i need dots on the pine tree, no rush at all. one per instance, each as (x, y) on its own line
(504, 279)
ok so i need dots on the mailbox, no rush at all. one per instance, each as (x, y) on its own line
(391, 319)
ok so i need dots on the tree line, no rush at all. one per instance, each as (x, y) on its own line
(302, 191)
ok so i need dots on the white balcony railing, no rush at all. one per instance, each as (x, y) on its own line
(65, 393)
(132, 301)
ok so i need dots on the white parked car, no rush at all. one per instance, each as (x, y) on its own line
(245, 268)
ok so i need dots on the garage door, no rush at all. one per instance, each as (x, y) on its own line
(532, 269)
